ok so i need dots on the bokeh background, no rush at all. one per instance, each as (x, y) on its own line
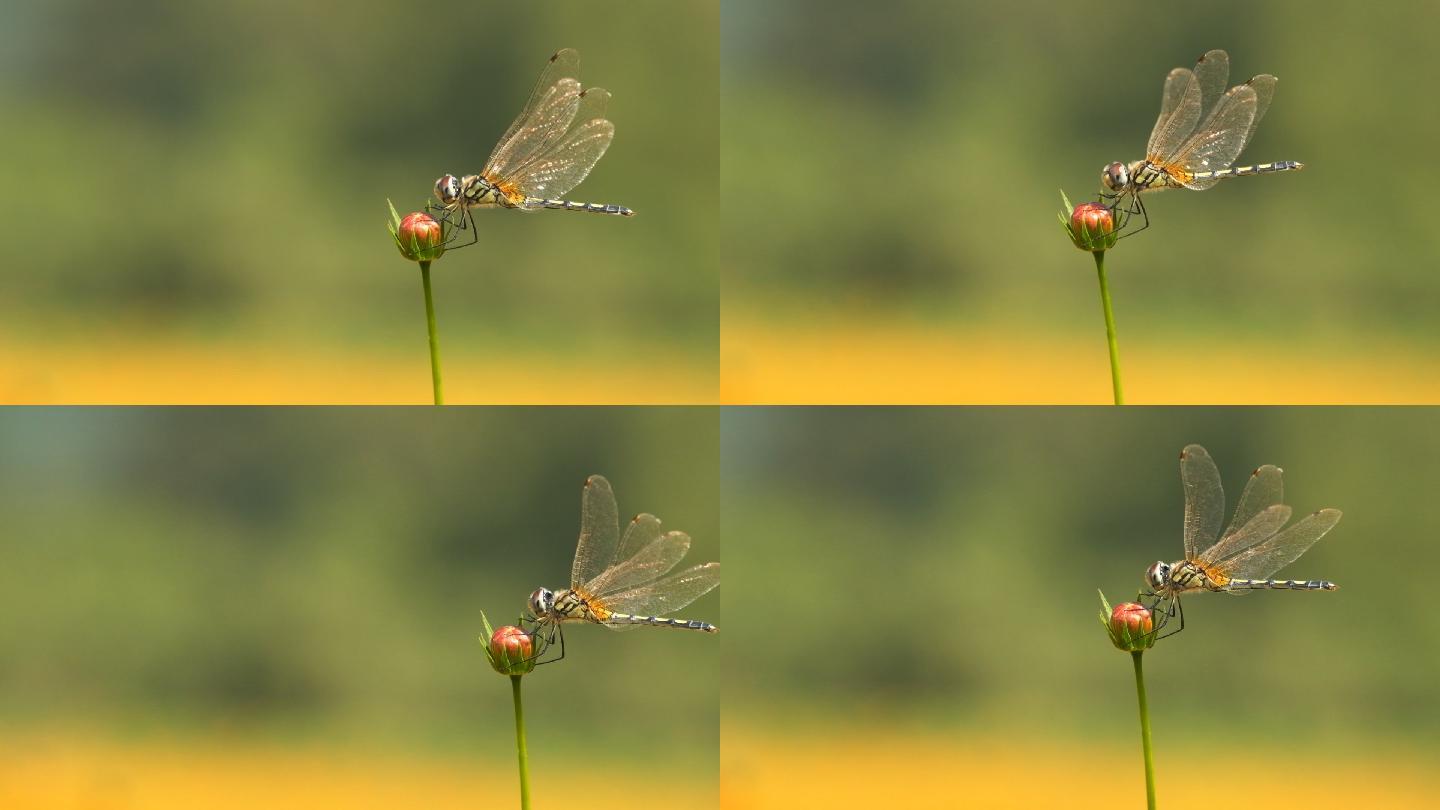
(891, 173)
(281, 608)
(914, 593)
(197, 196)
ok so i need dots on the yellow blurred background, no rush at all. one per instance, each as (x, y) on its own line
(912, 616)
(891, 173)
(198, 204)
(281, 608)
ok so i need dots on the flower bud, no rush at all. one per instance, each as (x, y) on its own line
(420, 238)
(511, 651)
(1131, 627)
(1092, 227)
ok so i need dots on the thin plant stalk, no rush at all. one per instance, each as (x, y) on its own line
(1109, 328)
(525, 756)
(435, 340)
(1144, 730)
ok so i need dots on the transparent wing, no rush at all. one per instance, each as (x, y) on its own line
(546, 116)
(1204, 500)
(555, 170)
(563, 64)
(1264, 87)
(642, 531)
(599, 531)
(1212, 71)
(649, 564)
(1265, 489)
(1187, 99)
(1219, 140)
(666, 595)
(1261, 527)
(1179, 113)
(1261, 561)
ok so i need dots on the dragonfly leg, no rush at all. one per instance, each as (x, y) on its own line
(466, 223)
(1136, 207)
(1161, 618)
(556, 632)
(1175, 608)
(447, 216)
(541, 642)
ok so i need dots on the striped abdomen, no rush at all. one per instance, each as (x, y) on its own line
(566, 205)
(1282, 584)
(657, 621)
(1241, 171)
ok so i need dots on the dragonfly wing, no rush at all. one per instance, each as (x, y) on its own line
(649, 564)
(1264, 489)
(1179, 113)
(565, 163)
(1219, 140)
(563, 64)
(1262, 560)
(1204, 500)
(1264, 87)
(1261, 527)
(1212, 71)
(546, 116)
(666, 595)
(599, 531)
(642, 531)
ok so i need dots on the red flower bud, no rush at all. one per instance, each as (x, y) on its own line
(420, 238)
(511, 651)
(1092, 227)
(1131, 627)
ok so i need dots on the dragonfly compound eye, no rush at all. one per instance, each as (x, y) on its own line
(541, 602)
(1116, 176)
(447, 189)
(1156, 575)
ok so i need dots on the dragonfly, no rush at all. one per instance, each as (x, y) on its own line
(548, 150)
(618, 581)
(1254, 546)
(1201, 130)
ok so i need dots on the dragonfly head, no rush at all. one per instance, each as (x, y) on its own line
(447, 189)
(1157, 575)
(1116, 177)
(542, 602)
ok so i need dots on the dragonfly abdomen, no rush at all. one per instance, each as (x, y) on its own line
(567, 205)
(1241, 171)
(658, 621)
(1283, 584)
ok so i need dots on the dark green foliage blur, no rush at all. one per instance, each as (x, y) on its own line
(939, 567)
(320, 573)
(916, 148)
(220, 170)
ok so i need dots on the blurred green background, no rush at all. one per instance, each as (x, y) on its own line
(197, 197)
(896, 169)
(313, 581)
(932, 575)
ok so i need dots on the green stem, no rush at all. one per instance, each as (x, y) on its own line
(525, 756)
(434, 338)
(1144, 731)
(1109, 328)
